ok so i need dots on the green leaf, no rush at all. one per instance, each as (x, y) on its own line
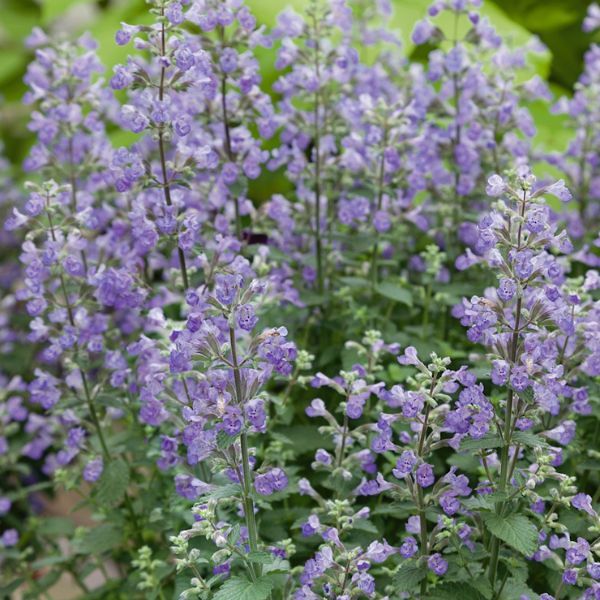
(6, 590)
(514, 588)
(408, 576)
(49, 561)
(101, 539)
(303, 438)
(484, 501)
(56, 526)
(526, 438)
(224, 440)
(455, 591)
(394, 292)
(224, 491)
(238, 588)
(263, 558)
(113, 483)
(490, 440)
(515, 530)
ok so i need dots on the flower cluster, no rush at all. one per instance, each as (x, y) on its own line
(376, 378)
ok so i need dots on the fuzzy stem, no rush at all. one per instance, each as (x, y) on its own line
(166, 186)
(247, 475)
(508, 417)
(420, 496)
(380, 182)
(228, 149)
(317, 153)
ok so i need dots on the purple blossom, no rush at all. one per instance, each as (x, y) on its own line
(93, 469)
(424, 475)
(437, 564)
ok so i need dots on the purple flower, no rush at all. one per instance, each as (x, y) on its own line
(523, 264)
(506, 289)
(323, 457)
(578, 551)
(179, 362)
(222, 569)
(379, 552)
(449, 503)
(270, 482)
(93, 469)
(228, 60)
(256, 413)
(583, 502)
(5, 505)
(519, 379)
(437, 564)
(425, 476)
(246, 318)
(174, 12)
(495, 186)
(190, 487)
(410, 357)
(569, 576)
(594, 569)
(500, 371)
(563, 433)
(422, 32)
(9, 538)
(560, 191)
(405, 464)
(227, 287)
(409, 547)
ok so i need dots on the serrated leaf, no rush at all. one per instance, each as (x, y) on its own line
(101, 539)
(409, 576)
(6, 590)
(514, 588)
(113, 483)
(224, 491)
(56, 526)
(455, 591)
(515, 530)
(526, 438)
(49, 561)
(238, 588)
(490, 440)
(394, 292)
(263, 558)
(483, 501)
(277, 567)
(224, 440)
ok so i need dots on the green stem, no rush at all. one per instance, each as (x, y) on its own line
(317, 151)
(380, 181)
(508, 425)
(420, 496)
(344, 438)
(166, 186)
(247, 475)
(426, 302)
(229, 152)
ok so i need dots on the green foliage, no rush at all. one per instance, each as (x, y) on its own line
(456, 591)
(100, 539)
(237, 588)
(113, 483)
(408, 576)
(395, 292)
(557, 23)
(516, 530)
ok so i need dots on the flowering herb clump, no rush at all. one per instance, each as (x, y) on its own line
(374, 376)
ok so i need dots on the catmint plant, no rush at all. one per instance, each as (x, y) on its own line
(314, 330)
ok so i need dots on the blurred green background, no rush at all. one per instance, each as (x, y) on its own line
(556, 22)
